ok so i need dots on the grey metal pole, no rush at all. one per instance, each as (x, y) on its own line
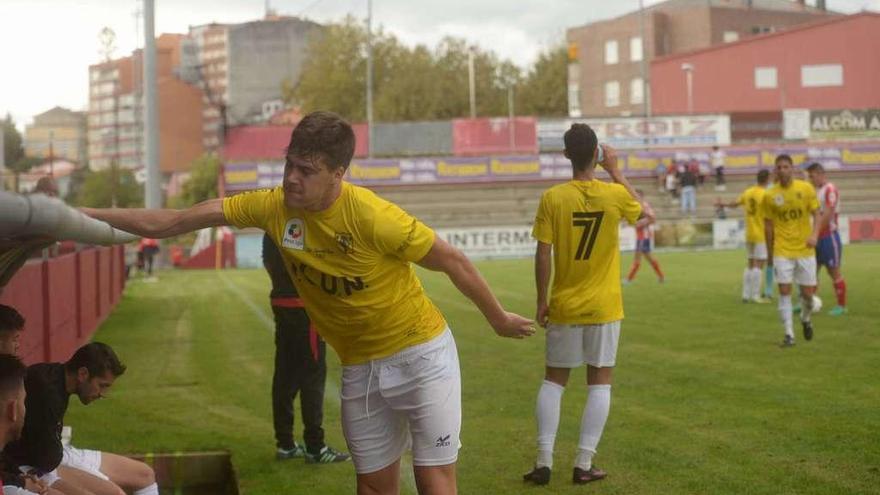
(690, 87)
(153, 191)
(472, 84)
(370, 78)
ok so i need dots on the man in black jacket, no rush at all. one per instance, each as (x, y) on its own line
(88, 374)
(300, 368)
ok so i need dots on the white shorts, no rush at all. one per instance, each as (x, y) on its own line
(84, 460)
(411, 398)
(14, 490)
(756, 250)
(801, 271)
(570, 346)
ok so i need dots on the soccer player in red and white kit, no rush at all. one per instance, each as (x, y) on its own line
(644, 239)
(829, 249)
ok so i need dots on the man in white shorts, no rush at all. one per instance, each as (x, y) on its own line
(789, 206)
(350, 254)
(752, 201)
(578, 222)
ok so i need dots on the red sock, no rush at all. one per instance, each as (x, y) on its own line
(840, 290)
(633, 270)
(657, 269)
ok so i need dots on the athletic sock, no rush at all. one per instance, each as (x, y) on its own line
(840, 292)
(592, 424)
(747, 283)
(768, 281)
(547, 414)
(149, 490)
(656, 265)
(806, 308)
(633, 270)
(756, 283)
(785, 314)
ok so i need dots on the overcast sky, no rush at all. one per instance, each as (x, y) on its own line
(47, 45)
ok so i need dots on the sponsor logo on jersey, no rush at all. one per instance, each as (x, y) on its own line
(779, 200)
(294, 234)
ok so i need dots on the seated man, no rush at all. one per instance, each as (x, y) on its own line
(88, 374)
(12, 412)
(11, 326)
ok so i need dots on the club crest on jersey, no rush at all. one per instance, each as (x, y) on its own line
(345, 241)
(779, 200)
(294, 234)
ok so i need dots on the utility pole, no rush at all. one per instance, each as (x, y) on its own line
(370, 78)
(472, 83)
(511, 119)
(646, 85)
(153, 192)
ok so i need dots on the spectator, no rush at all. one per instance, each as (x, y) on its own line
(688, 182)
(660, 173)
(12, 413)
(46, 185)
(148, 249)
(718, 158)
(672, 182)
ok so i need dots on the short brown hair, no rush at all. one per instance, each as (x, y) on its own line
(323, 135)
(98, 358)
(10, 319)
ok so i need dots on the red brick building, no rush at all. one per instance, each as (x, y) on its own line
(831, 64)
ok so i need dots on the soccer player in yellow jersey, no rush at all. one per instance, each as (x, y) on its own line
(752, 199)
(577, 224)
(789, 206)
(350, 255)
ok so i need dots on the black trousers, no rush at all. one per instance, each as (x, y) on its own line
(300, 368)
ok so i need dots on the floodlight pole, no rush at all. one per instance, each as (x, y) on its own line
(153, 196)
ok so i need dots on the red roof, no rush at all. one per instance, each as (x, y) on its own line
(256, 143)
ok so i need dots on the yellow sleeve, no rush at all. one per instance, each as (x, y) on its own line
(399, 234)
(250, 209)
(543, 228)
(630, 209)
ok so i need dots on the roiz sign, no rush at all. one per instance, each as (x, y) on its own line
(623, 133)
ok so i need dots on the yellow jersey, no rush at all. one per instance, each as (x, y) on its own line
(351, 266)
(752, 201)
(581, 220)
(790, 209)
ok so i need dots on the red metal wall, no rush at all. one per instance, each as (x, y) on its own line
(64, 299)
(492, 136)
(724, 76)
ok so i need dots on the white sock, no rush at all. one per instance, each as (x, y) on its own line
(756, 283)
(806, 308)
(747, 284)
(149, 490)
(547, 413)
(785, 314)
(592, 424)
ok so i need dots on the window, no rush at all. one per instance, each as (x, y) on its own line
(731, 36)
(612, 94)
(818, 76)
(635, 49)
(637, 91)
(610, 52)
(765, 77)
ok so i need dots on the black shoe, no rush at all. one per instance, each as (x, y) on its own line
(808, 330)
(787, 342)
(593, 474)
(538, 476)
(292, 453)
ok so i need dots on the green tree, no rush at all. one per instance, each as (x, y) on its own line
(13, 152)
(543, 92)
(98, 190)
(202, 182)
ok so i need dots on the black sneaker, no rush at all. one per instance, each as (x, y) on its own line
(808, 330)
(538, 476)
(327, 455)
(283, 454)
(593, 474)
(787, 342)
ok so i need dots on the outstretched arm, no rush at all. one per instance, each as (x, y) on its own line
(158, 224)
(464, 275)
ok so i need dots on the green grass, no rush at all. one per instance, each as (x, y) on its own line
(703, 400)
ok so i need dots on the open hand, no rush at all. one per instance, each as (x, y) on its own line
(514, 326)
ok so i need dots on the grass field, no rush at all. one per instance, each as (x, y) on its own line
(703, 402)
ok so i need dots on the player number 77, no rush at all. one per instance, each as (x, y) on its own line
(590, 222)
